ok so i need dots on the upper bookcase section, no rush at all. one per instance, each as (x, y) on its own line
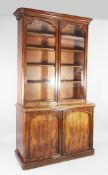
(20, 12)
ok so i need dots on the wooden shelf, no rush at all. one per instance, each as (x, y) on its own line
(74, 81)
(40, 34)
(72, 65)
(33, 47)
(40, 100)
(66, 36)
(45, 81)
(71, 50)
(71, 98)
(72, 37)
(38, 81)
(40, 64)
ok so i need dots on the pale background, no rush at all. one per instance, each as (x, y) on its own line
(97, 85)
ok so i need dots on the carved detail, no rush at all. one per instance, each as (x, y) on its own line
(85, 110)
(82, 27)
(30, 20)
(59, 114)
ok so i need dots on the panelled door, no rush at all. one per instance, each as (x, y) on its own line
(43, 135)
(76, 131)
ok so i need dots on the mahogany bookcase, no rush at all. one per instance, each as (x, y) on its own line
(54, 122)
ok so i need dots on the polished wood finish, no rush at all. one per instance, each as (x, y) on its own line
(43, 143)
(76, 131)
(35, 164)
(54, 122)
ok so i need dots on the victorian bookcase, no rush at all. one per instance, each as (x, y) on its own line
(54, 122)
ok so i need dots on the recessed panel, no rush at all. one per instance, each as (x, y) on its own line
(76, 132)
(43, 138)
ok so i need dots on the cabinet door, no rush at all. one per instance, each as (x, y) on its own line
(77, 131)
(41, 59)
(73, 62)
(43, 136)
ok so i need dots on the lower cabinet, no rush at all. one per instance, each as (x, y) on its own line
(50, 136)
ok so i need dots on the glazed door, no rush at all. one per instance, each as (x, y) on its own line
(72, 62)
(43, 136)
(41, 61)
(77, 131)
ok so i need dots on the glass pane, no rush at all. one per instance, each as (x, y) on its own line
(40, 40)
(35, 72)
(71, 90)
(71, 73)
(40, 61)
(39, 56)
(72, 42)
(39, 91)
(72, 61)
(76, 59)
(72, 29)
(39, 26)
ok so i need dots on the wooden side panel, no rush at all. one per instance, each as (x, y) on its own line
(76, 131)
(21, 62)
(19, 79)
(43, 136)
(20, 132)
